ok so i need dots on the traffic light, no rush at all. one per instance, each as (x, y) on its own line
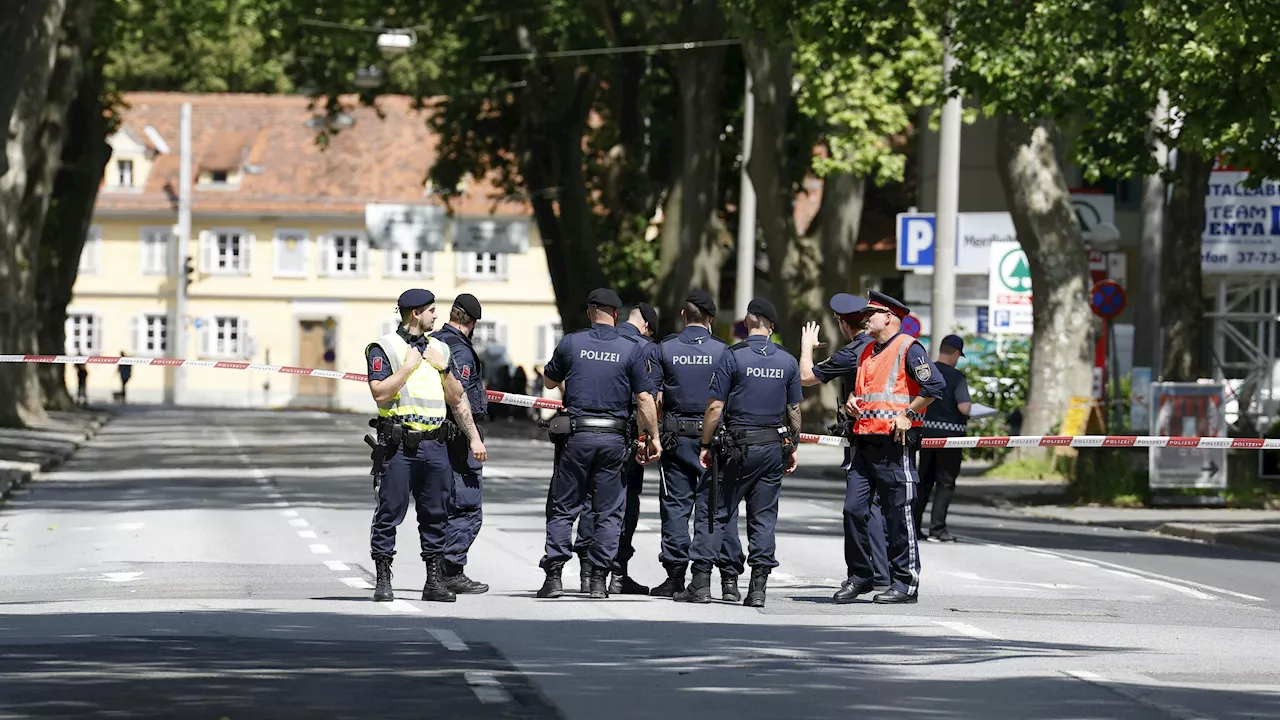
(187, 271)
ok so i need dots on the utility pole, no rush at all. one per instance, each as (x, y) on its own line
(1148, 331)
(182, 239)
(943, 305)
(746, 213)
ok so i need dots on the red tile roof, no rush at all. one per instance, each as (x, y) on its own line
(373, 161)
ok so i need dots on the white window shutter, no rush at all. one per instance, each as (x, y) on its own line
(428, 263)
(97, 334)
(67, 337)
(501, 332)
(388, 327)
(389, 258)
(144, 251)
(249, 240)
(465, 264)
(206, 338)
(137, 331)
(502, 265)
(324, 254)
(362, 256)
(245, 333)
(207, 248)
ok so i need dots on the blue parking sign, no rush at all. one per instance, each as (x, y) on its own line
(916, 232)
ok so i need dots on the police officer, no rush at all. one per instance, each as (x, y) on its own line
(896, 382)
(755, 392)
(410, 458)
(641, 324)
(948, 417)
(687, 359)
(843, 364)
(600, 370)
(465, 514)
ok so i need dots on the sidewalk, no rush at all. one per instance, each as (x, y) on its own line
(23, 453)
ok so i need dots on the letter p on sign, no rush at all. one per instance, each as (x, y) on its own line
(919, 240)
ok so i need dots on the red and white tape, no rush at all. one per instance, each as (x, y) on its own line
(529, 401)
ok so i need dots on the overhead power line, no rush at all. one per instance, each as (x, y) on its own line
(611, 50)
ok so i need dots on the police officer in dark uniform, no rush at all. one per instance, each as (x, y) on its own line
(896, 382)
(411, 383)
(641, 324)
(948, 417)
(465, 514)
(601, 371)
(756, 394)
(687, 359)
(843, 364)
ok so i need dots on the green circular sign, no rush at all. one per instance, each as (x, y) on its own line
(1014, 272)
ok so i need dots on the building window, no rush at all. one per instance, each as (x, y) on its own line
(549, 335)
(226, 252)
(124, 173)
(484, 334)
(218, 177)
(92, 251)
(482, 266)
(155, 250)
(399, 263)
(290, 253)
(346, 254)
(83, 331)
(151, 334)
(224, 336)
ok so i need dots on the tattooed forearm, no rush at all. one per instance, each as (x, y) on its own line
(462, 416)
(793, 420)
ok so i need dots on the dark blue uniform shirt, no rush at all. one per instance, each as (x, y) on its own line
(626, 329)
(756, 380)
(601, 371)
(945, 411)
(379, 366)
(687, 360)
(465, 366)
(921, 368)
(844, 365)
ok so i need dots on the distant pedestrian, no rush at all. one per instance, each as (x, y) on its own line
(948, 416)
(82, 380)
(520, 386)
(126, 372)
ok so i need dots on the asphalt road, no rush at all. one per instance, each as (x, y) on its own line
(214, 564)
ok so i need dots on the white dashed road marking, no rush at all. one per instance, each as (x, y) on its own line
(308, 534)
(320, 549)
(290, 513)
(399, 606)
(299, 522)
(967, 629)
(358, 583)
(449, 639)
(487, 688)
(336, 566)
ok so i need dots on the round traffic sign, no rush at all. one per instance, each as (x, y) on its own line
(911, 326)
(1107, 299)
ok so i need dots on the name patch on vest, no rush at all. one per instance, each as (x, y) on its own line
(601, 356)
(764, 372)
(691, 359)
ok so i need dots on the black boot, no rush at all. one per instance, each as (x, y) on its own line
(673, 584)
(584, 575)
(622, 584)
(699, 590)
(755, 592)
(552, 587)
(456, 580)
(729, 586)
(383, 592)
(599, 583)
(434, 590)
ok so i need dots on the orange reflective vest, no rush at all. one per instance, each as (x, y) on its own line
(885, 387)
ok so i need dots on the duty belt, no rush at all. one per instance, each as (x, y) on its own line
(598, 425)
(684, 427)
(760, 436)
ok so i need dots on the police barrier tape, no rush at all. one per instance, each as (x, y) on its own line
(503, 398)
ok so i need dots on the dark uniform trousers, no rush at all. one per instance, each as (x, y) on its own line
(938, 468)
(426, 476)
(752, 473)
(888, 469)
(465, 513)
(589, 464)
(633, 481)
(686, 491)
(874, 542)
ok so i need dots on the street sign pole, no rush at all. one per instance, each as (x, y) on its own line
(942, 306)
(1107, 301)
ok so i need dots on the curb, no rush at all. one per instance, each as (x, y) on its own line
(14, 478)
(1240, 539)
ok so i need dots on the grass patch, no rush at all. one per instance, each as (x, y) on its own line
(1027, 468)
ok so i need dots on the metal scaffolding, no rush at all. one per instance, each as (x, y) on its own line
(1245, 317)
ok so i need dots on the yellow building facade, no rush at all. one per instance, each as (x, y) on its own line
(290, 264)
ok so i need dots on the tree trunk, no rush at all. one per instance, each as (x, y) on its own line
(26, 36)
(85, 153)
(1180, 275)
(19, 388)
(690, 252)
(1040, 203)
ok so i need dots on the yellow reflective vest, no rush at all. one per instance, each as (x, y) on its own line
(420, 404)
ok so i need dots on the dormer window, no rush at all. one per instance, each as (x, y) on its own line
(124, 173)
(218, 177)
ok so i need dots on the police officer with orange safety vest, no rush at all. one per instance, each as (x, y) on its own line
(896, 382)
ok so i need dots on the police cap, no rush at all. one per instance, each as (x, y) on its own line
(764, 309)
(846, 304)
(880, 301)
(649, 314)
(415, 298)
(702, 300)
(469, 304)
(605, 298)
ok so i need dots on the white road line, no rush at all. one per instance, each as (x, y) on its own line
(299, 522)
(1177, 588)
(308, 534)
(967, 629)
(1174, 711)
(261, 479)
(358, 583)
(335, 565)
(399, 606)
(1082, 563)
(1105, 564)
(487, 688)
(274, 495)
(290, 513)
(280, 503)
(449, 639)
(320, 549)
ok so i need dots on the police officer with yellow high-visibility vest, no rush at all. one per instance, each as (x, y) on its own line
(896, 382)
(410, 457)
